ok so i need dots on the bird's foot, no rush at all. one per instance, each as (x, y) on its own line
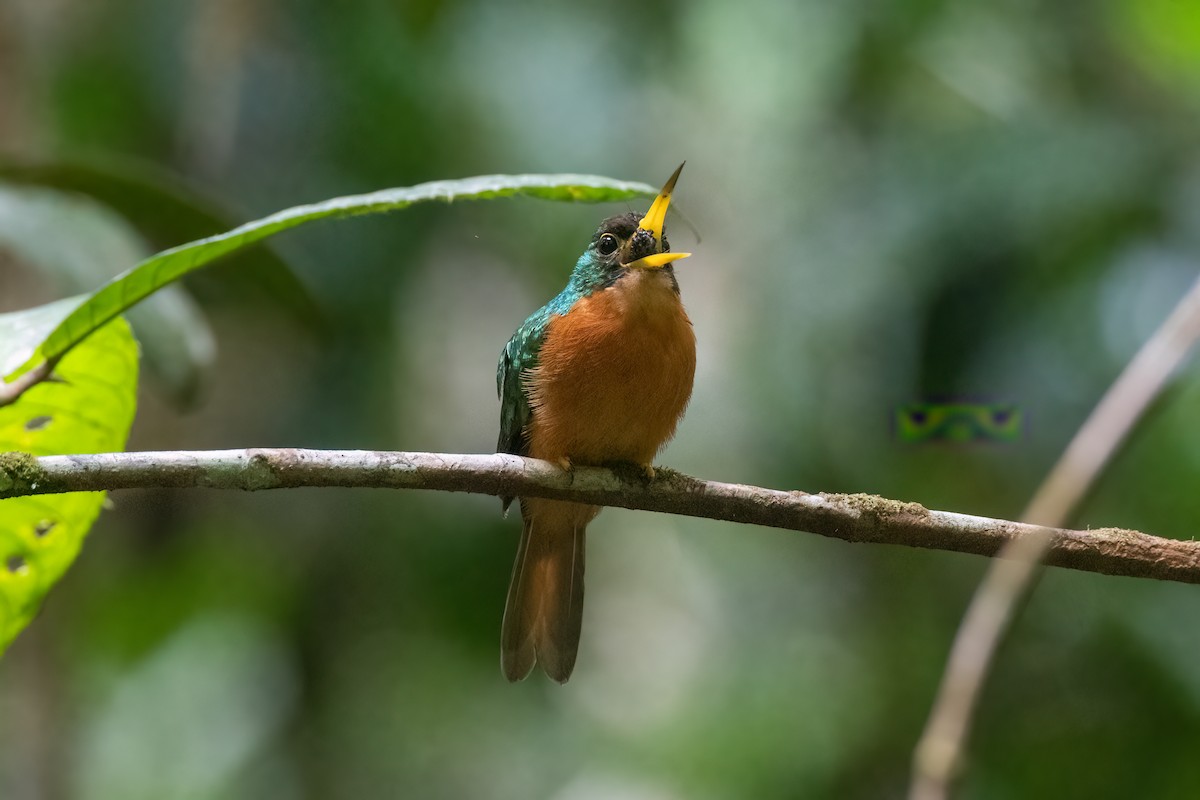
(566, 466)
(633, 472)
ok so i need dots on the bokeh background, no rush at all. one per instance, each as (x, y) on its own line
(892, 203)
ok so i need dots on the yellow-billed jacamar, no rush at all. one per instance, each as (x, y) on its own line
(600, 374)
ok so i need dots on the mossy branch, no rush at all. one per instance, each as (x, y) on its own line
(850, 517)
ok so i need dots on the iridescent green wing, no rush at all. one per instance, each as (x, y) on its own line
(517, 358)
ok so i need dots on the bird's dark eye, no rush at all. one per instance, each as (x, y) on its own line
(608, 244)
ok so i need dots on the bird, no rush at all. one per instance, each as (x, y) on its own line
(600, 375)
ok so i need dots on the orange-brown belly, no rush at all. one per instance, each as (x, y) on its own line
(614, 376)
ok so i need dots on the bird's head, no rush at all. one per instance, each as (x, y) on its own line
(628, 242)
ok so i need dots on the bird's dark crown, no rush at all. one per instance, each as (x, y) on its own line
(622, 226)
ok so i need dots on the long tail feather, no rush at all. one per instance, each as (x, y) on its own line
(544, 612)
(520, 612)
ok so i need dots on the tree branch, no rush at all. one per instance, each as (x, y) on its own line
(850, 517)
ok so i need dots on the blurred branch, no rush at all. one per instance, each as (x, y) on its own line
(1116, 414)
(220, 34)
(850, 517)
(939, 753)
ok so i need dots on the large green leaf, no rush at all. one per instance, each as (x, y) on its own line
(78, 244)
(89, 409)
(170, 265)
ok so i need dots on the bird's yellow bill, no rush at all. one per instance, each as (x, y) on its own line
(657, 215)
(656, 260)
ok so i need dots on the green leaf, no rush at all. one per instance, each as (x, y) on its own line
(167, 210)
(21, 332)
(170, 265)
(77, 244)
(88, 410)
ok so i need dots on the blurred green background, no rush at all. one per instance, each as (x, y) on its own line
(897, 202)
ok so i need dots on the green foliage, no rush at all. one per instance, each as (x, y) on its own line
(165, 210)
(171, 265)
(77, 244)
(902, 202)
(89, 408)
(21, 332)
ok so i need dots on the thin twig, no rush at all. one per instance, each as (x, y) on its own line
(850, 517)
(939, 754)
(11, 391)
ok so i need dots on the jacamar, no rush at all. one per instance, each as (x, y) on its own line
(599, 375)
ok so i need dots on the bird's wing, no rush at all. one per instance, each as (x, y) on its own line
(518, 356)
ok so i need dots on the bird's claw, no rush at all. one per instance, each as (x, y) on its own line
(632, 471)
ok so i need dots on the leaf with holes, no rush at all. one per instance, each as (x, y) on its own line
(89, 408)
(170, 265)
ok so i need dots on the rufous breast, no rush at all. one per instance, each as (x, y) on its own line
(614, 374)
